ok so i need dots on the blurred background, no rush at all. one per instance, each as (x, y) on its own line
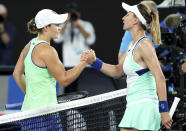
(105, 16)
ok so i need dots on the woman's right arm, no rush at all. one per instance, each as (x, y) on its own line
(56, 68)
(115, 71)
(19, 70)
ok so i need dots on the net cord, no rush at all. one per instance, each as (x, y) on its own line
(63, 106)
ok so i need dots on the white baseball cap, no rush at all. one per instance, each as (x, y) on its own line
(135, 10)
(47, 16)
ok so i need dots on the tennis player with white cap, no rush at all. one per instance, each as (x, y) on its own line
(146, 88)
(144, 76)
(39, 66)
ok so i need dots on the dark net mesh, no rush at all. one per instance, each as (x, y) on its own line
(101, 116)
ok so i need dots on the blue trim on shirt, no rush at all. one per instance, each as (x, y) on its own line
(127, 38)
(32, 52)
(142, 71)
(28, 50)
(138, 42)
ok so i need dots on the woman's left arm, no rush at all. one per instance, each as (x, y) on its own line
(148, 54)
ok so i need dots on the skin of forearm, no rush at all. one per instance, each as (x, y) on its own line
(72, 74)
(161, 88)
(114, 71)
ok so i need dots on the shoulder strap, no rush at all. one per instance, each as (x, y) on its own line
(138, 42)
(28, 48)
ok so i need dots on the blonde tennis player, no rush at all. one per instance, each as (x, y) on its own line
(147, 104)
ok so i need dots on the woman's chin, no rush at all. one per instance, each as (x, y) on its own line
(124, 28)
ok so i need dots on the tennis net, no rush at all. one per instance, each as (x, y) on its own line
(97, 113)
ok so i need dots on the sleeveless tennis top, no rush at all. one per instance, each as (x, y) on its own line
(40, 84)
(140, 81)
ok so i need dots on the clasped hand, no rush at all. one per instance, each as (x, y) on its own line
(88, 56)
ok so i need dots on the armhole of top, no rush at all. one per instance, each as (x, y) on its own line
(32, 52)
(138, 42)
(28, 49)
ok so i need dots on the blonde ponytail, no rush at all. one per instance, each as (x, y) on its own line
(152, 19)
(155, 29)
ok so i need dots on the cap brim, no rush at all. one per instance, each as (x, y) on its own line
(127, 7)
(61, 18)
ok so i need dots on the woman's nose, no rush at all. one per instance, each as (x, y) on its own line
(123, 18)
